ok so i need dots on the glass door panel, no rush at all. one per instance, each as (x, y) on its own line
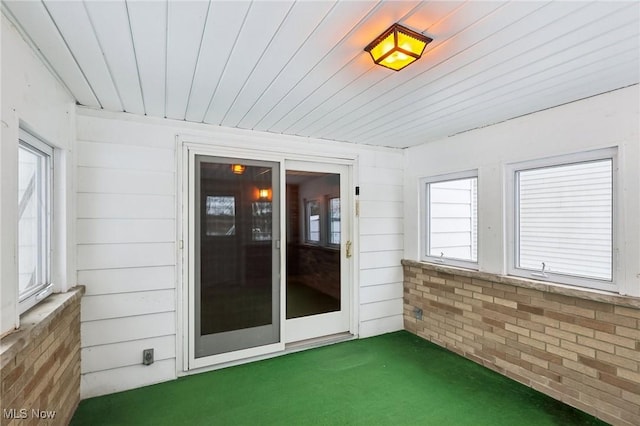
(313, 243)
(317, 276)
(237, 285)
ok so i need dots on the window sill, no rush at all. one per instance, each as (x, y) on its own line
(318, 247)
(36, 321)
(562, 289)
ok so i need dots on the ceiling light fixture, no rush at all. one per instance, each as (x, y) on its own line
(237, 169)
(397, 47)
(264, 194)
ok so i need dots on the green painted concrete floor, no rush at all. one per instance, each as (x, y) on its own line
(393, 379)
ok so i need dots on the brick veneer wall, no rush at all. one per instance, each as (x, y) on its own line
(579, 347)
(318, 268)
(41, 363)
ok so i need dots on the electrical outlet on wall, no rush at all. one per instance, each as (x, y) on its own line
(147, 356)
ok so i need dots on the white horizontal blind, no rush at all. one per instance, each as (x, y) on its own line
(453, 219)
(565, 219)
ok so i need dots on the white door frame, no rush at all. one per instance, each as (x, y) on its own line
(309, 327)
(186, 149)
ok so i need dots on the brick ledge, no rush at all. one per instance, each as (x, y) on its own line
(587, 294)
(35, 321)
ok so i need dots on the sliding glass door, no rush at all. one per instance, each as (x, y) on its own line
(318, 294)
(236, 253)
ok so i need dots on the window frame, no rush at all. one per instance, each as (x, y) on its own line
(425, 219)
(307, 222)
(35, 295)
(512, 214)
(235, 216)
(330, 244)
(253, 223)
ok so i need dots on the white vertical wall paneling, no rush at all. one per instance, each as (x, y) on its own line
(149, 32)
(74, 25)
(113, 31)
(186, 21)
(262, 22)
(316, 47)
(224, 18)
(289, 39)
(35, 19)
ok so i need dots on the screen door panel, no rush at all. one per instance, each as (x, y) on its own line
(237, 280)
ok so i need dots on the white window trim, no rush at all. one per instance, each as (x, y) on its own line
(307, 223)
(329, 244)
(511, 234)
(36, 295)
(425, 220)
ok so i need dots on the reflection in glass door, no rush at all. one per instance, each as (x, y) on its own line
(313, 243)
(317, 265)
(237, 296)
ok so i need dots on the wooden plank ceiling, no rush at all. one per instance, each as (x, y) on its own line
(299, 68)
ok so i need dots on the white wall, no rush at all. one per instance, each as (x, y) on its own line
(126, 219)
(34, 99)
(608, 120)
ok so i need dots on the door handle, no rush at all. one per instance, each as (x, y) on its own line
(349, 254)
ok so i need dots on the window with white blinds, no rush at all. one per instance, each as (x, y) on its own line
(451, 219)
(564, 224)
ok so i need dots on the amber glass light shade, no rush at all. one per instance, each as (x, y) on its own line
(264, 194)
(237, 169)
(397, 47)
